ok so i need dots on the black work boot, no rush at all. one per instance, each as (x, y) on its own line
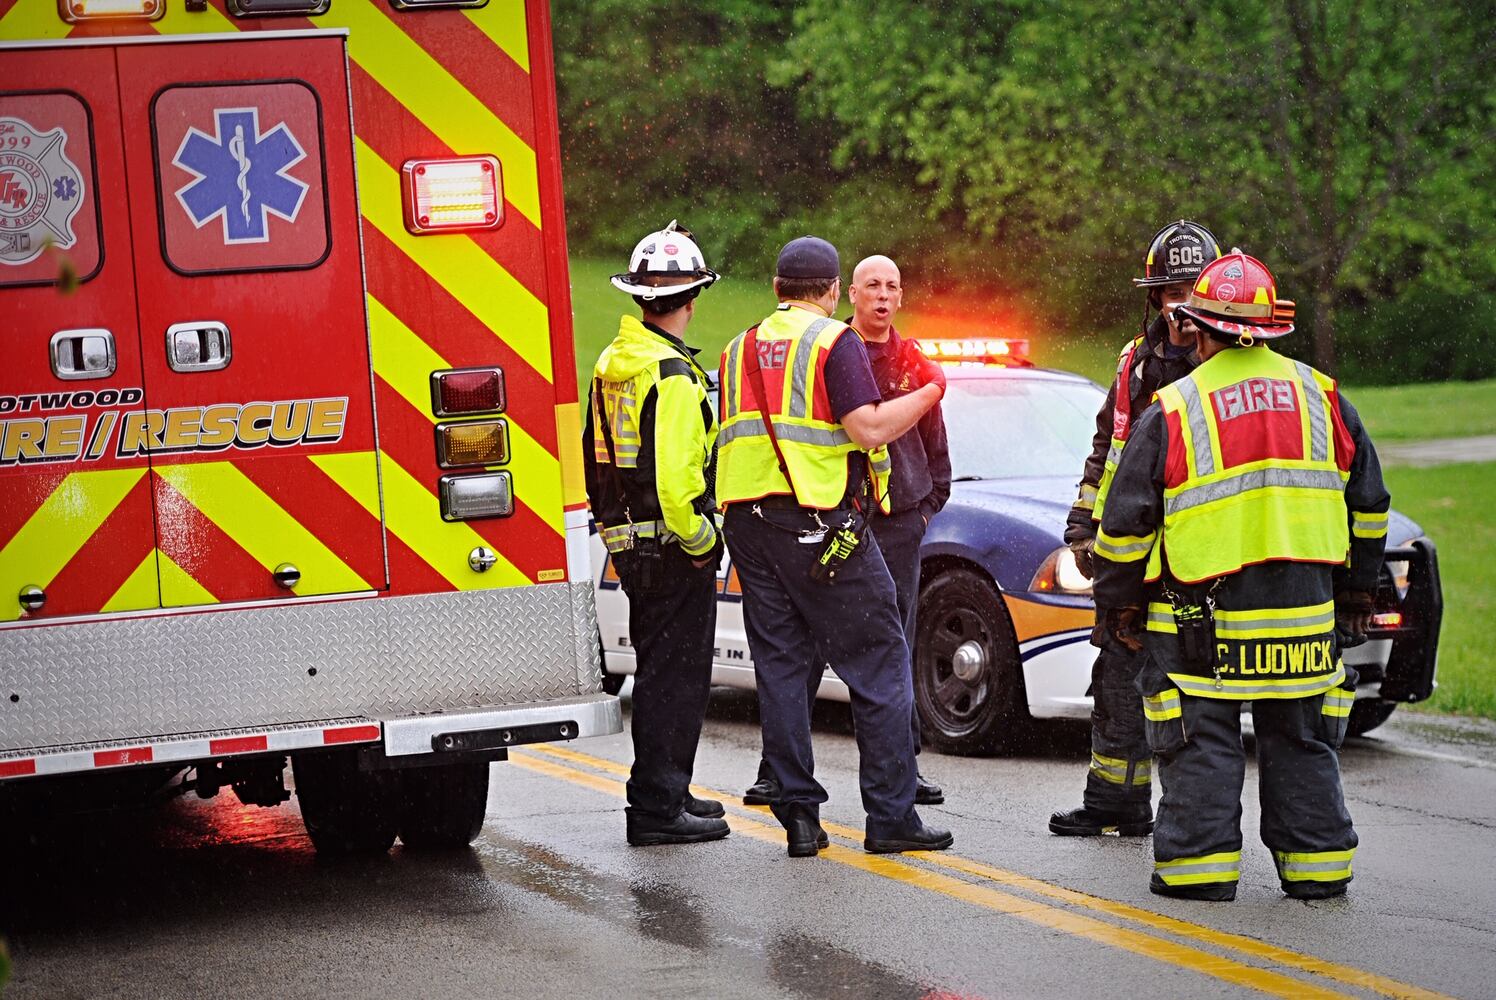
(916, 837)
(802, 827)
(926, 792)
(705, 808)
(1088, 822)
(1210, 892)
(1315, 890)
(645, 830)
(765, 790)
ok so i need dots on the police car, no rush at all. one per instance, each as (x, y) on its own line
(1004, 620)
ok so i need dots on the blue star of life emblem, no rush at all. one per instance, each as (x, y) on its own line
(240, 175)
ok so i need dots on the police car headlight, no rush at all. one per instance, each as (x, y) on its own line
(1059, 574)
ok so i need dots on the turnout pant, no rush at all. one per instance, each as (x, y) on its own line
(794, 625)
(1202, 763)
(672, 627)
(1121, 771)
(899, 537)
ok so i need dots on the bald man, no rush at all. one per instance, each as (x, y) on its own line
(921, 479)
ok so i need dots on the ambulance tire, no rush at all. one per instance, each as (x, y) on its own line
(1367, 714)
(986, 711)
(442, 807)
(346, 810)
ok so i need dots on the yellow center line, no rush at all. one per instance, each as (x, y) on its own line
(1040, 914)
(1349, 975)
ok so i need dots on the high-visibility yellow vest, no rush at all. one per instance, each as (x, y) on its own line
(793, 345)
(1256, 468)
(1121, 424)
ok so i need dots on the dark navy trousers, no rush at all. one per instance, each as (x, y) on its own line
(854, 624)
(899, 537)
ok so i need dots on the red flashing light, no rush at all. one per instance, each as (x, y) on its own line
(1387, 619)
(467, 390)
(1002, 351)
(461, 193)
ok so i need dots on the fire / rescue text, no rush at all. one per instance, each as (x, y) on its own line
(71, 436)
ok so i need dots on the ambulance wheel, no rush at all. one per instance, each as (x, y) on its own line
(612, 683)
(443, 806)
(346, 810)
(1367, 714)
(968, 682)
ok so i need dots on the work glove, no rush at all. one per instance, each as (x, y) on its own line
(929, 372)
(1353, 611)
(1120, 622)
(1084, 550)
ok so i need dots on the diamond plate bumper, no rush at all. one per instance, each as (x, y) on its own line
(142, 677)
(590, 715)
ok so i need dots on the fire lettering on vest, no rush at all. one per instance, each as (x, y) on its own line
(772, 354)
(1307, 657)
(1254, 395)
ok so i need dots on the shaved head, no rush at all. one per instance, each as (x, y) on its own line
(876, 293)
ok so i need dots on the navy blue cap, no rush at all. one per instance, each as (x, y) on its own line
(808, 257)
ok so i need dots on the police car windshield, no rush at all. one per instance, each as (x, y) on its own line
(1006, 428)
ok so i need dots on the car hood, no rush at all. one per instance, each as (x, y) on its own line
(1040, 501)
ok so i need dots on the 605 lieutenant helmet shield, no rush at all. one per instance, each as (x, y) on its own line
(1178, 252)
(665, 263)
(1236, 298)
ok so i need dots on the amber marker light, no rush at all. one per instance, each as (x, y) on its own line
(480, 442)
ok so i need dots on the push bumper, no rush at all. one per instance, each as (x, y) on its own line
(503, 726)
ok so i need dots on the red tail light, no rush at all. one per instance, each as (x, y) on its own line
(467, 390)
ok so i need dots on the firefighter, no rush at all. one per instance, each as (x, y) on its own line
(1119, 790)
(650, 460)
(1243, 535)
(803, 463)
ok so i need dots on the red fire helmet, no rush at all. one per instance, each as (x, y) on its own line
(1236, 296)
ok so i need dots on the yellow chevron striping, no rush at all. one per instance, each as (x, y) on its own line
(262, 527)
(142, 589)
(178, 20)
(569, 442)
(52, 536)
(413, 515)
(423, 85)
(504, 22)
(406, 362)
(460, 266)
(176, 581)
(37, 19)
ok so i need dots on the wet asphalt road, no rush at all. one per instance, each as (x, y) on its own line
(213, 899)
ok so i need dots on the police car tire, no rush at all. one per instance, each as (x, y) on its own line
(442, 807)
(346, 810)
(998, 721)
(1367, 714)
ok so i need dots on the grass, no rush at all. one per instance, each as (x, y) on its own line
(1417, 412)
(1449, 502)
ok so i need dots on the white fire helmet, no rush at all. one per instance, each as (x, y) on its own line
(665, 263)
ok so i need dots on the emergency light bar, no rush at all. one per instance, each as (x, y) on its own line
(74, 11)
(977, 350)
(467, 390)
(480, 442)
(462, 193)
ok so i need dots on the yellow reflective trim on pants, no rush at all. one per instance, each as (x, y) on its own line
(456, 115)
(1114, 770)
(1338, 702)
(58, 528)
(459, 265)
(1124, 548)
(1314, 866)
(412, 514)
(1203, 870)
(141, 589)
(1163, 706)
(229, 499)
(1161, 618)
(405, 362)
(1276, 623)
(1235, 690)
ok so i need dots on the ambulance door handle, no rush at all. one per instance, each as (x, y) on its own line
(80, 354)
(198, 346)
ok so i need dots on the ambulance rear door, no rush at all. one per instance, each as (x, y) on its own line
(260, 427)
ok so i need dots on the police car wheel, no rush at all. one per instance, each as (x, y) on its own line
(443, 806)
(968, 683)
(346, 810)
(612, 683)
(1367, 714)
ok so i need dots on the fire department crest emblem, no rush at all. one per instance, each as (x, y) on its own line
(239, 175)
(40, 191)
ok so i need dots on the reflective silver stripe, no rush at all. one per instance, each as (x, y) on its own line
(1225, 625)
(1204, 687)
(1105, 546)
(1113, 455)
(1165, 619)
(882, 464)
(803, 353)
(1319, 435)
(1199, 868)
(754, 427)
(699, 539)
(1199, 429)
(616, 537)
(733, 351)
(1257, 479)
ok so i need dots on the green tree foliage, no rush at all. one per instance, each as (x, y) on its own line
(1031, 146)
